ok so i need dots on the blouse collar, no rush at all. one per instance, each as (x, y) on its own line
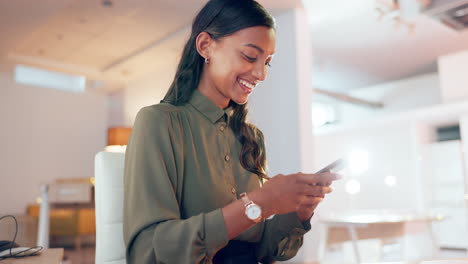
(208, 108)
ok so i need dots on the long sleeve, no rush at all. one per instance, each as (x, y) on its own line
(153, 229)
(283, 235)
(282, 238)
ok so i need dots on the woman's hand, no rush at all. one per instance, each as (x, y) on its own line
(298, 192)
(305, 211)
(309, 204)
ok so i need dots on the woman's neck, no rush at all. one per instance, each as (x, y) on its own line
(209, 90)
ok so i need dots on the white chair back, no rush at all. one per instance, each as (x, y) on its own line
(109, 170)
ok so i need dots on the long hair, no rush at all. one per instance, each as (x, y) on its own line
(221, 18)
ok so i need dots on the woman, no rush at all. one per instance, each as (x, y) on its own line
(194, 166)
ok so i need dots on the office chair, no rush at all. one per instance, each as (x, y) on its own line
(109, 170)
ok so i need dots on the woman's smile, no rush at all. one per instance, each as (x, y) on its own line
(246, 86)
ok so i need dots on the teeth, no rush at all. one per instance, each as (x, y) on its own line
(251, 86)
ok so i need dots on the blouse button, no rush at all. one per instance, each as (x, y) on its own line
(221, 128)
(227, 158)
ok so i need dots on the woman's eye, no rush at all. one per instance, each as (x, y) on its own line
(250, 58)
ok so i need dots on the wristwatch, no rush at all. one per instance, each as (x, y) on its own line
(252, 210)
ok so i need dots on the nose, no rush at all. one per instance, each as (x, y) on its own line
(260, 71)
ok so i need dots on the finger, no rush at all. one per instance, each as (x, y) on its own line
(317, 191)
(319, 178)
(310, 201)
(324, 184)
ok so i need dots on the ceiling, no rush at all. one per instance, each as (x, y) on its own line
(131, 38)
(353, 49)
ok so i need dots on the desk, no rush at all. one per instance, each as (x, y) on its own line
(370, 224)
(48, 256)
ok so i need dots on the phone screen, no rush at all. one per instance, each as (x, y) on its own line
(335, 166)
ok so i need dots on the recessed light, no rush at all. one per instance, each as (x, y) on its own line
(353, 186)
(390, 180)
(358, 161)
(107, 3)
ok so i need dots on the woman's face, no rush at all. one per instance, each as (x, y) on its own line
(238, 63)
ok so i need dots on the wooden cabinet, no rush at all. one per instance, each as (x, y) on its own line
(69, 220)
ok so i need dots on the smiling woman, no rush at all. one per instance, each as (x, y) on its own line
(241, 61)
(227, 61)
(194, 167)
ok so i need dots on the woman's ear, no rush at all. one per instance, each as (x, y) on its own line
(204, 44)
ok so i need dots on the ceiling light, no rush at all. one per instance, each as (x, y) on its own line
(401, 11)
(390, 180)
(353, 187)
(107, 3)
(358, 161)
(115, 148)
(461, 12)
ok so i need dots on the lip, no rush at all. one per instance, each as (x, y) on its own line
(246, 89)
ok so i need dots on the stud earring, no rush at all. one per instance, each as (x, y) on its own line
(207, 61)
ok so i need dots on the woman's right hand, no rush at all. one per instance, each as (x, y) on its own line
(283, 194)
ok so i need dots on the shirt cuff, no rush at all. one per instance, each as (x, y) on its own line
(216, 236)
(289, 222)
(292, 230)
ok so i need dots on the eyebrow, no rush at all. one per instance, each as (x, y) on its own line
(256, 47)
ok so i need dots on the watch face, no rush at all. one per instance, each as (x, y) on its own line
(254, 212)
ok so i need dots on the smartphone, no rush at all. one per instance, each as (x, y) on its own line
(335, 166)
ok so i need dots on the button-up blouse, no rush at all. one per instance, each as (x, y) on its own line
(181, 167)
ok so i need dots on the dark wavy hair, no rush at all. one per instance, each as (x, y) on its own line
(221, 18)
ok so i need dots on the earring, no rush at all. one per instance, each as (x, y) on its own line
(207, 61)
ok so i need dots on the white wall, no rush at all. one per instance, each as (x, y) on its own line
(46, 134)
(147, 91)
(115, 108)
(151, 89)
(464, 146)
(453, 76)
(280, 107)
(273, 106)
(398, 96)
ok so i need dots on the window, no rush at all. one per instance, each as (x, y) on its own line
(48, 79)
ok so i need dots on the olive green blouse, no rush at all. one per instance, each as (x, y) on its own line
(181, 167)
